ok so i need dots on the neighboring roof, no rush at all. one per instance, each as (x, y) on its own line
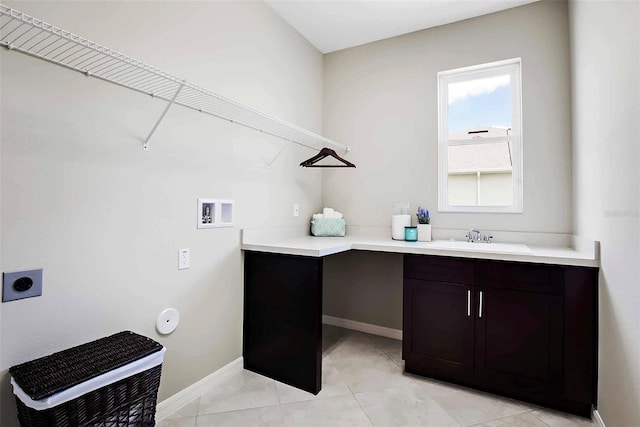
(480, 157)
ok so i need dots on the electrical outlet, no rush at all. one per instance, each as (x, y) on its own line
(296, 210)
(184, 259)
(21, 284)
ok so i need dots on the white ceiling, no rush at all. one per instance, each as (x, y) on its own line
(332, 25)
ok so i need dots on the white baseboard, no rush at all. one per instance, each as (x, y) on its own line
(181, 398)
(596, 418)
(368, 328)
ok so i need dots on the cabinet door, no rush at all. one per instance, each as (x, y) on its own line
(519, 344)
(438, 328)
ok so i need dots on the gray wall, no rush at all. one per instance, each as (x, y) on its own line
(381, 98)
(353, 285)
(105, 219)
(605, 46)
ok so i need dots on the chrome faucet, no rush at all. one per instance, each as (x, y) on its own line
(475, 236)
(486, 238)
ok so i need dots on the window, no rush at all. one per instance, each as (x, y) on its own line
(480, 138)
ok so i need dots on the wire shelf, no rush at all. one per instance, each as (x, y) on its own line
(26, 34)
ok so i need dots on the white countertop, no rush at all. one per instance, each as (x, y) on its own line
(291, 241)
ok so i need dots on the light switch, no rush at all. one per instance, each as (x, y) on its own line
(184, 259)
(296, 210)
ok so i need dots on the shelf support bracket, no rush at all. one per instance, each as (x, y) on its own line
(145, 146)
(277, 155)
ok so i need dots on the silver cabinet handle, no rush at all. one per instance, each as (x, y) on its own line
(480, 306)
(469, 303)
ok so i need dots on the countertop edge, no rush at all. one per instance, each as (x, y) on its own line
(329, 246)
(496, 256)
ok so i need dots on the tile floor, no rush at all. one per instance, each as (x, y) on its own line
(363, 384)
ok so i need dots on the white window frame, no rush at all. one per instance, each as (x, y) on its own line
(513, 68)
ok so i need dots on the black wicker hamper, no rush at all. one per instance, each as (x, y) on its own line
(110, 382)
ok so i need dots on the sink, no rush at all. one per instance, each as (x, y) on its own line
(514, 248)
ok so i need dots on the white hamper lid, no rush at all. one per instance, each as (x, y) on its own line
(95, 383)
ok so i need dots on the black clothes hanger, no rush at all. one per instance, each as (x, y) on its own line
(325, 152)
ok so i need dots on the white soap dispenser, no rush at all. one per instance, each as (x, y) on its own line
(400, 219)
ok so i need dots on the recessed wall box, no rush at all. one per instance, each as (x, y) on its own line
(226, 213)
(207, 214)
(21, 284)
(214, 213)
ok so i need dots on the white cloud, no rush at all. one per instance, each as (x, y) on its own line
(462, 90)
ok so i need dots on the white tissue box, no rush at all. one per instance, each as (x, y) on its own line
(328, 227)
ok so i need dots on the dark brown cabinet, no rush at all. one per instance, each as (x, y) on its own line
(441, 335)
(509, 328)
(282, 331)
(519, 340)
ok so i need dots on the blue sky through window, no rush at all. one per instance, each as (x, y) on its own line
(491, 107)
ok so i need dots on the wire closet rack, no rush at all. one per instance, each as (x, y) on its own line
(26, 34)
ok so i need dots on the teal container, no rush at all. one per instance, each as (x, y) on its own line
(328, 227)
(411, 234)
